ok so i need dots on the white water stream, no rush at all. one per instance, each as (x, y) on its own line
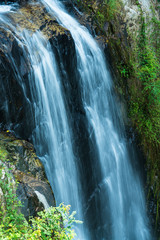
(52, 136)
(122, 186)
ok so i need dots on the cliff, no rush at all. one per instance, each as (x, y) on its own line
(18, 156)
(129, 32)
(18, 159)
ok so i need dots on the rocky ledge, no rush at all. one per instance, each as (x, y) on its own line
(21, 162)
(15, 69)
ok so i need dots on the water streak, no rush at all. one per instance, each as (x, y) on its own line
(122, 185)
(52, 135)
(42, 199)
(126, 218)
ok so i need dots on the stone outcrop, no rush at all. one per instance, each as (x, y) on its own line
(15, 105)
(33, 188)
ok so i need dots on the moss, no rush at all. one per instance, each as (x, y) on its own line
(3, 154)
(21, 154)
(145, 106)
(34, 17)
(100, 11)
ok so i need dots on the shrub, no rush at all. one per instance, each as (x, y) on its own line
(52, 223)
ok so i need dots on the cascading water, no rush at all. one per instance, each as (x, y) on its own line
(52, 134)
(119, 183)
(122, 205)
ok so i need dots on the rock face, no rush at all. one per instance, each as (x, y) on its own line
(16, 107)
(33, 189)
(113, 32)
(15, 102)
(123, 25)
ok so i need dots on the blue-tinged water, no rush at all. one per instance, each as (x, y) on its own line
(117, 201)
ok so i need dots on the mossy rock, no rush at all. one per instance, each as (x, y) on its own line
(34, 17)
(20, 153)
(20, 160)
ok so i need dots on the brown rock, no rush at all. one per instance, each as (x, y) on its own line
(33, 189)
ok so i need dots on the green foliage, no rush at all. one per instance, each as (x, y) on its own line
(139, 76)
(101, 11)
(3, 154)
(145, 109)
(112, 7)
(145, 100)
(53, 223)
(12, 222)
(107, 11)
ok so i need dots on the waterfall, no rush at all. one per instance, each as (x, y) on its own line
(120, 213)
(42, 199)
(119, 183)
(52, 135)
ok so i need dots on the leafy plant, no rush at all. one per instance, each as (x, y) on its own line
(53, 223)
(145, 100)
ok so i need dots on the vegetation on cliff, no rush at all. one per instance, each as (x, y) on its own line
(26, 168)
(145, 101)
(135, 58)
(52, 223)
(21, 175)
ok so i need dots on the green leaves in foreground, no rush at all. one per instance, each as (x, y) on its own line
(53, 223)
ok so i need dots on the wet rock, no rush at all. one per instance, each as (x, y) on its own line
(34, 17)
(21, 154)
(34, 194)
(15, 103)
(16, 107)
(22, 2)
(33, 189)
